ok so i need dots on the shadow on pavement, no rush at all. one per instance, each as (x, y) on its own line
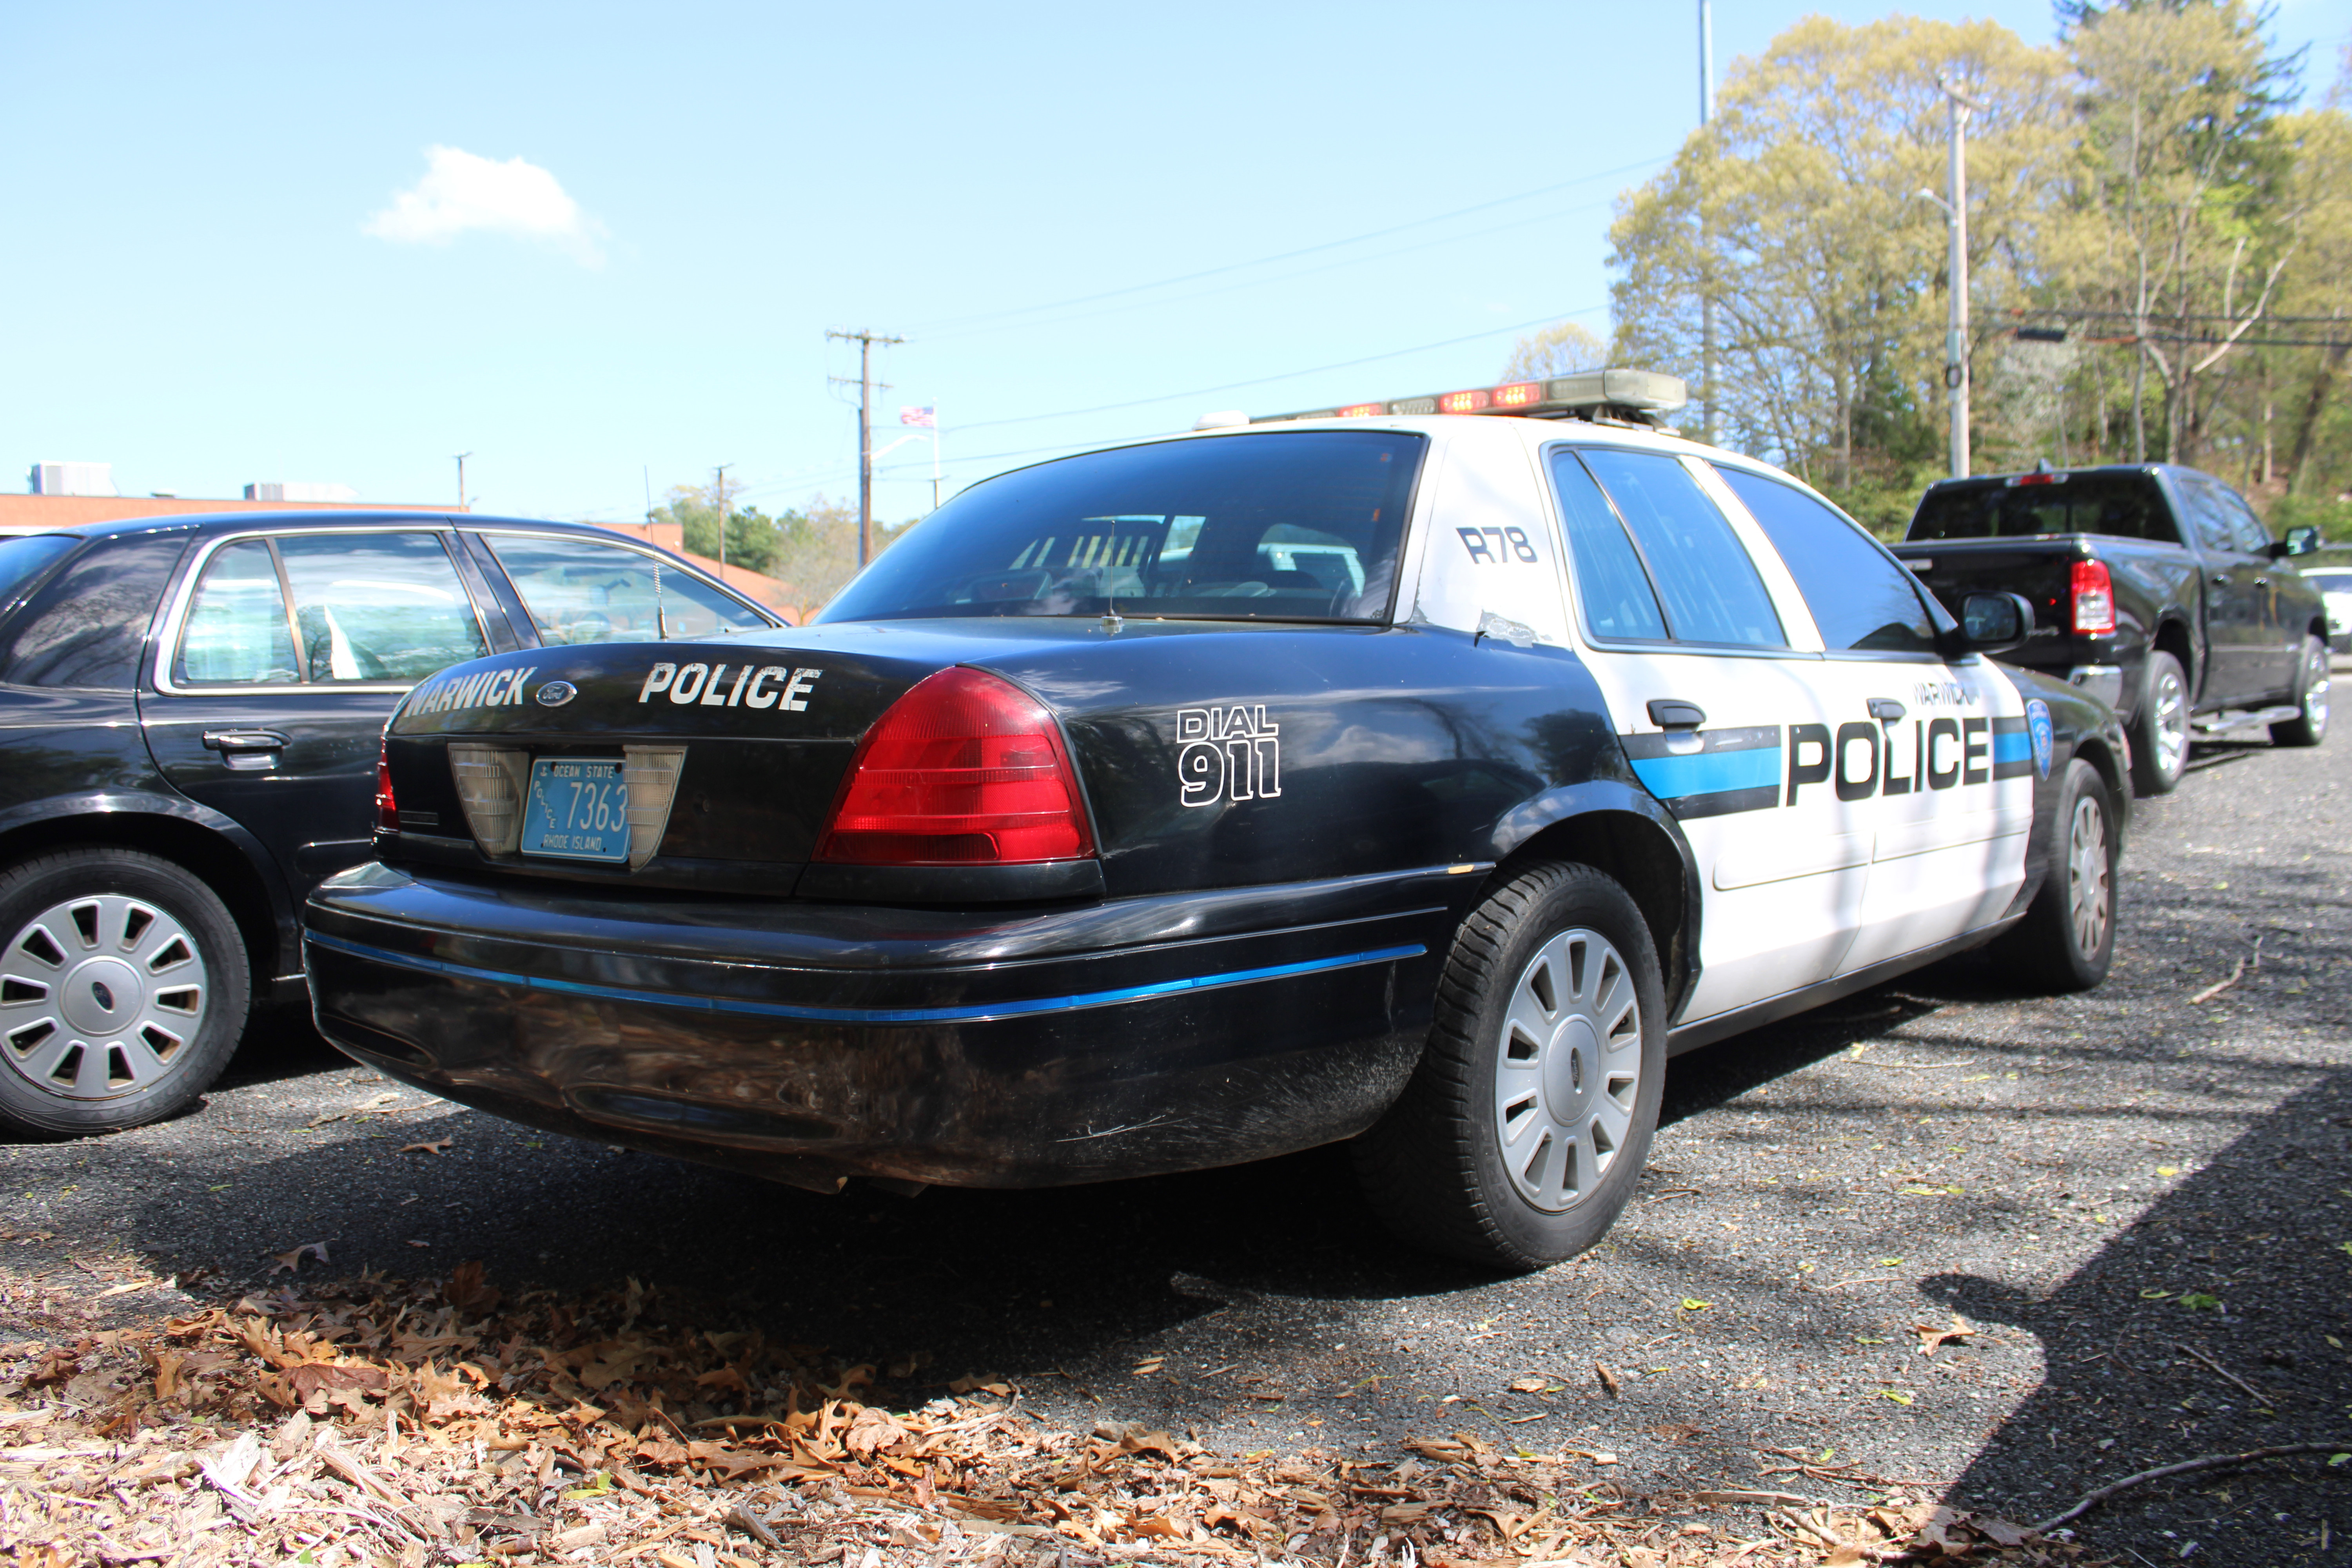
(2215, 1324)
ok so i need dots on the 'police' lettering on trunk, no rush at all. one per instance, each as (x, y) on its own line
(710, 685)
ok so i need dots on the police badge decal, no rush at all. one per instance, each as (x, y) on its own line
(2044, 734)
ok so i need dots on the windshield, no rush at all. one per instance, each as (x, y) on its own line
(1299, 525)
(2121, 506)
(23, 555)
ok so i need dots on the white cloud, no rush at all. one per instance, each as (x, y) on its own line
(461, 191)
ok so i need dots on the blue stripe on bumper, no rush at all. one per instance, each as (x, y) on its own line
(872, 1014)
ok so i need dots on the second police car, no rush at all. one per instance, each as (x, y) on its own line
(1375, 774)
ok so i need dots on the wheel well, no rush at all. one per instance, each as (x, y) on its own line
(218, 863)
(2110, 766)
(2172, 638)
(1638, 856)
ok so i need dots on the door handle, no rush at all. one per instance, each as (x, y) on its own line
(2221, 579)
(2262, 582)
(227, 741)
(1673, 714)
(1885, 709)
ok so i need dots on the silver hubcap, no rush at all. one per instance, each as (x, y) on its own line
(2086, 867)
(2169, 705)
(100, 996)
(2316, 680)
(1567, 1070)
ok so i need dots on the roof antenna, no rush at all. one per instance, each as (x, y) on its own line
(661, 621)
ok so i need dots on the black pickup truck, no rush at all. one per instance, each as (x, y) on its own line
(2154, 586)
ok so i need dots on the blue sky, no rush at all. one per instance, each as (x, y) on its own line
(231, 253)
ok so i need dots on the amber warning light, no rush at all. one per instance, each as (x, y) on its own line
(1626, 396)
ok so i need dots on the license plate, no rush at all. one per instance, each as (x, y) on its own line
(578, 810)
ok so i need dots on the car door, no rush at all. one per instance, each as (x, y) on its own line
(282, 657)
(2281, 623)
(1721, 717)
(2237, 640)
(1936, 754)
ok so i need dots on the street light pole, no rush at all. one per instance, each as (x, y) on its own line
(1706, 269)
(461, 480)
(1955, 219)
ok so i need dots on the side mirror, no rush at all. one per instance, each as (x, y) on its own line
(1993, 622)
(2298, 541)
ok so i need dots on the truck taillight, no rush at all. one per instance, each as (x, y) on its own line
(966, 769)
(2094, 598)
(387, 812)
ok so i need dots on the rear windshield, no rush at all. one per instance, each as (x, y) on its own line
(2121, 506)
(1297, 525)
(24, 555)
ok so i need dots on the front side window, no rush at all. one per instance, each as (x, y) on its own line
(1862, 599)
(1698, 572)
(580, 591)
(238, 631)
(1288, 525)
(85, 626)
(375, 608)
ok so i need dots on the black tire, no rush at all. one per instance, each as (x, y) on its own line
(2067, 939)
(1437, 1168)
(2309, 727)
(124, 987)
(2160, 726)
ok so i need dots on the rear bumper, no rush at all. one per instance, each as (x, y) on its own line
(812, 1042)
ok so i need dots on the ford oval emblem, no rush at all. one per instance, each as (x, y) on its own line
(556, 693)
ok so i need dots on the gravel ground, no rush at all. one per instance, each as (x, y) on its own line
(2138, 1202)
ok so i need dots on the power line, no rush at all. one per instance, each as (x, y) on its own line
(1286, 376)
(955, 322)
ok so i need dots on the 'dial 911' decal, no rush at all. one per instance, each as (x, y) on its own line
(1766, 765)
(1227, 753)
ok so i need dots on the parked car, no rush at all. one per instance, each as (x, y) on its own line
(1420, 781)
(2335, 585)
(190, 714)
(2155, 587)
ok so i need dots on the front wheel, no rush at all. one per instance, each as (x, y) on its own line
(1520, 1138)
(2309, 726)
(2159, 731)
(2067, 939)
(123, 990)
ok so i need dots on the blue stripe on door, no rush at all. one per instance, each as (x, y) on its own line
(1710, 773)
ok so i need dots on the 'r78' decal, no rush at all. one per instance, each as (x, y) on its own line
(1507, 545)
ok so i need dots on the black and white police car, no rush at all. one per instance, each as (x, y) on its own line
(1371, 773)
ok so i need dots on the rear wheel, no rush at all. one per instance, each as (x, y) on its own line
(2159, 733)
(123, 990)
(2308, 727)
(2067, 939)
(1523, 1130)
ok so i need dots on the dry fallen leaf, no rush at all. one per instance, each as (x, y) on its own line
(439, 1146)
(291, 1261)
(1608, 1380)
(1530, 1385)
(1932, 1338)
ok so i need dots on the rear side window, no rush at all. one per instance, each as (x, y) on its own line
(579, 591)
(1299, 525)
(2119, 506)
(238, 631)
(1696, 567)
(1862, 600)
(86, 627)
(1610, 583)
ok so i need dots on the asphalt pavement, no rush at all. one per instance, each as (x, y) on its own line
(2119, 1223)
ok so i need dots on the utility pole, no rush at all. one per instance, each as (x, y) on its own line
(719, 496)
(866, 390)
(1955, 203)
(461, 480)
(1706, 269)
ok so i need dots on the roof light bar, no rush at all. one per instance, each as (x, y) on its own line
(1629, 397)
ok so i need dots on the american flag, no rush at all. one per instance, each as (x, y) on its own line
(929, 418)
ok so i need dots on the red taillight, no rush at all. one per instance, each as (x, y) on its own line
(2094, 598)
(387, 814)
(966, 769)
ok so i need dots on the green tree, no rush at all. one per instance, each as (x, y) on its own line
(752, 537)
(1796, 210)
(1562, 350)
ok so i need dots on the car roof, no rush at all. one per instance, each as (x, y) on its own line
(204, 524)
